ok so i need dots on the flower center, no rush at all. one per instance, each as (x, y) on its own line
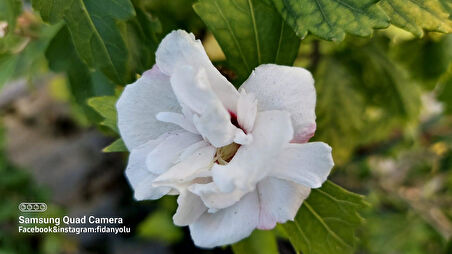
(225, 154)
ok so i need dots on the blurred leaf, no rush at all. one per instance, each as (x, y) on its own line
(326, 221)
(250, 32)
(9, 10)
(159, 225)
(431, 60)
(332, 19)
(106, 107)
(415, 16)
(340, 108)
(362, 96)
(259, 242)
(117, 146)
(142, 40)
(445, 91)
(174, 14)
(51, 11)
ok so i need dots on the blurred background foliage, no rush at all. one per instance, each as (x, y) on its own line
(384, 104)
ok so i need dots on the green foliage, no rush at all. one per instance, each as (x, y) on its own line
(259, 242)
(364, 98)
(431, 60)
(117, 146)
(250, 32)
(9, 10)
(415, 16)
(105, 106)
(159, 225)
(327, 221)
(331, 19)
(445, 91)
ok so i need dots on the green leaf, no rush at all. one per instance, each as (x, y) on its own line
(96, 35)
(51, 11)
(117, 146)
(326, 221)
(250, 32)
(259, 242)
(416, 15)
(142, 40)
(83, 83)
(105, 106)
(332, 19)
(95, 28)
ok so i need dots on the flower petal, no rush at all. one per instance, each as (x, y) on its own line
(279, 201)
(272, 131)
(138, 105)
(246, 110)
(308, 164)
(213, 198)
(227, 225)
(180, 48)
(195, 165)
(190, 207)
(139, 177)
(168, 151)
(211, 118)
(286, 88)
(178, 119)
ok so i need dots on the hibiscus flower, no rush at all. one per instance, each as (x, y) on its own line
(237, 159)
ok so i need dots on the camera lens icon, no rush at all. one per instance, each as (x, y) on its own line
(32, 207)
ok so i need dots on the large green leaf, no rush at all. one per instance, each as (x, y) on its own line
(332, 19)
(97, 36)
(416, 15)
(83, 83)
(250, 32)
(326, 222)
(259, 242)
(95, 30)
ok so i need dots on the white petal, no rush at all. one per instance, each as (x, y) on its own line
(279, 201)
(211, 118)
(308, 164)
(139, 177)
(190, 207)
(272, 131)
(180, 48)
(228, 225)
(195, 165)
(138, 105)
(213, 198)
(286, 88)
(168, 151)
(178, 119)
(246, 110)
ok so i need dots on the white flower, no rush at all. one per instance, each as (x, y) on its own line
(237, 159)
